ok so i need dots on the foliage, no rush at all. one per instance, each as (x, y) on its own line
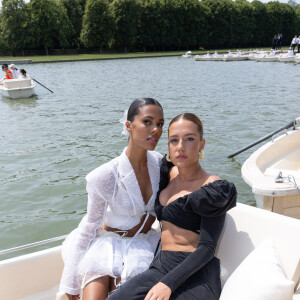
(98, 24)
(127, 15)
(48, 24)
(13, 19)
(75, 13)
(146, 24)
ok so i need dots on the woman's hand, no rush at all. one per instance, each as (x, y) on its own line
(73, 297)
(159, 292)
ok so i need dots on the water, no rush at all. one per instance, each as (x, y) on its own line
(48, 143)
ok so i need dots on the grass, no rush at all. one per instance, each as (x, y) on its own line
(99, 56)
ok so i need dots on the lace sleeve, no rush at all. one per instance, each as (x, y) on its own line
(100, 188)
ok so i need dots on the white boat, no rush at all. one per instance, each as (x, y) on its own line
(297, 59)
(286, 57)
(36, 276)
(213, 57)
(188, 54)
(266, 58)
(17, 88)
(234, 57)
(273, 172)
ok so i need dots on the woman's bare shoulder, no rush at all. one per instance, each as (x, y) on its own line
(211, 178)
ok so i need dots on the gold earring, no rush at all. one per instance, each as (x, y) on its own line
(168, 158)
(201, 154)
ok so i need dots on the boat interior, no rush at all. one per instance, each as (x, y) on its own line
(36, 276)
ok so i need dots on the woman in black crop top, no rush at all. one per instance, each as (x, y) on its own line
(191, 205)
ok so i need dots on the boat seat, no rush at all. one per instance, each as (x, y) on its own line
(245, 228)
(17, 83)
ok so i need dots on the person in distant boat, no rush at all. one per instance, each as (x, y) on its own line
(191, 205)
(207, 54)
(229, 53)
(15, 71)
(8, 73)
(216, 53)
(114, 241)
(23, 74)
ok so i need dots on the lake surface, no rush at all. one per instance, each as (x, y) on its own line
(49, 143)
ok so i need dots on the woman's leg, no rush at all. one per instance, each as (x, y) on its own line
(137, 287)
(113, 282)
(97, 289)
(205, 284)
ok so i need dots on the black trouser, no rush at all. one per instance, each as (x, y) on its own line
(205, 284)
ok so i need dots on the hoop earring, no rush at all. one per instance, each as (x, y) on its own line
(168, 158)
(201, 154)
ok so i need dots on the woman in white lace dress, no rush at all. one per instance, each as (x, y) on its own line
(114, 241)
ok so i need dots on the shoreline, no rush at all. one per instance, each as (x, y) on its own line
(95, 57)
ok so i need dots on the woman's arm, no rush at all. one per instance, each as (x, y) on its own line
(100, 189)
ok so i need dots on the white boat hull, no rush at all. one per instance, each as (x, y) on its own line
(211, 58)
(267, 58)
(235, 57)
(36, 276)
(186, 55)
(262, 168)
(286, 59)
(17, 88)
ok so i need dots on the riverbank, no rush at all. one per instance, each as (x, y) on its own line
(106, 56)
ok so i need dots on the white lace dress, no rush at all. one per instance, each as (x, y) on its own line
(114, 199)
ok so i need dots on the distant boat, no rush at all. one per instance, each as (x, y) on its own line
(17, 88)
(188, 54)
(286, 57)
(209, 57)
(273, 172)
(234, 57)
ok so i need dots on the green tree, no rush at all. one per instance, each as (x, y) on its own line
(191, 23)
(282, 19)
(75, 15)
(13, 20)
(151, 23)
(127, 15)
(261, 36)
(243, 24)
(221, 23)
(3, 42)
(48, 24)
(98, 25)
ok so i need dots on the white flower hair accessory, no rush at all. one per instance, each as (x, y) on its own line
(123, 121)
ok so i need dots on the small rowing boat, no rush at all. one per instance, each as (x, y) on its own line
(17, 88)
(273, 172)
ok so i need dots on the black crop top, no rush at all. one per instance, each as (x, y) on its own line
(211, 200)
(204, 210)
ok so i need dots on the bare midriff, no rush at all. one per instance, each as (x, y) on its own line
(131, 232)
(174, 238)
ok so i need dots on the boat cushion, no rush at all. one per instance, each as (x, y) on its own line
(260, 277)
